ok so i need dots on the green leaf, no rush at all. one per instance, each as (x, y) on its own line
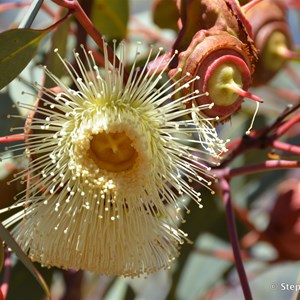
(111, 18)
(18, 46)
(22, 286)
(9, 240)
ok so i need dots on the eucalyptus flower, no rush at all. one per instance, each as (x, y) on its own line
(110, 162)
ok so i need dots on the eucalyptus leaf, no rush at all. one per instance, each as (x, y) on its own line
(18, 46)
(9, 240)
(111, 18)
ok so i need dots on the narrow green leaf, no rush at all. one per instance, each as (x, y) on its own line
(17, 49)
(9, 240)
(111, 18)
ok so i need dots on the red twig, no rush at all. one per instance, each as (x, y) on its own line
(286, 147)
(225, 189)
(12, 138)
(282, 129)
(262, 138)
(268, 165)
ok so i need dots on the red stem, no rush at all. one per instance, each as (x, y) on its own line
(225, 187)
(262, 138)
(268, 165)
(286, 147)
(12, 138)
(282, 129)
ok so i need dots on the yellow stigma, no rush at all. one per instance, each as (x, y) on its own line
(272, 53)
(223, 83)
(113, 151)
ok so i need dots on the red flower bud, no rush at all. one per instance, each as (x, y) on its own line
(213, 15)
(271, 37)
(224, 66)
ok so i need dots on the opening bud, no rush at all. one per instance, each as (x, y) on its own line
(222, 63)
(271, 37)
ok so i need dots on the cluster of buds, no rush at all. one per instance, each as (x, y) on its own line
(231, 48)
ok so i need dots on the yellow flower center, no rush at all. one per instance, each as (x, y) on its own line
(113, 151)
(222, 83)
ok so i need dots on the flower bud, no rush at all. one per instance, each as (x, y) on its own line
(215, 16)
(224, 66)
(272, 38)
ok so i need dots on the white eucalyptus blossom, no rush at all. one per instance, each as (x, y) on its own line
(108, 165)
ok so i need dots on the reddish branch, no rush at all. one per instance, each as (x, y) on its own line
(265, 166)
(268, 165)
(225, 189)
(282, 146)
(12, 138)
(260, 139)
(264, 138)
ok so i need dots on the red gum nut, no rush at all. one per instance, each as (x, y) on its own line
(269, 39)
(270, 33)
(221, 72)
(263, 13)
